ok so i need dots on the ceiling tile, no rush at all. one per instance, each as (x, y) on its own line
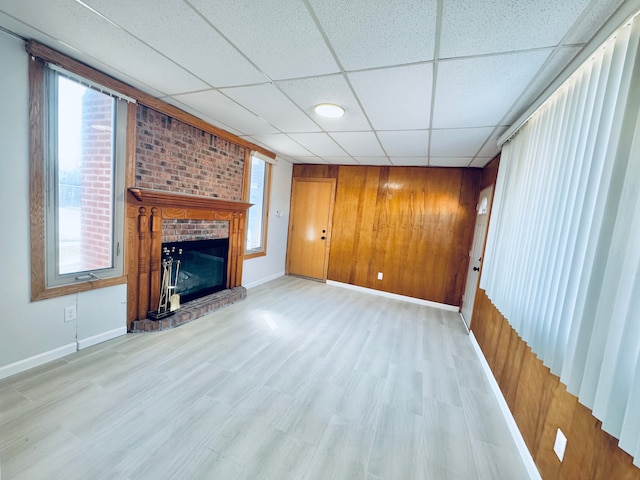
(395, 98)
(450, 161)
(405, 143)
(125, 53)
(557, 61)
(410, 161)
(279, 36)
(492, 26)
(309, 160)
(154, 70)
(480, 162)
(375, 33)
(358, 143)
(464, 142)
(26, 31)
(178, 32)
(591, 22)
(319, 144)
(340, 160)
(215, 105)
(309, 92)
(491, 148)
(281, 143)
(269, 103)
(477, 92)
(373, 160)
(189, 109)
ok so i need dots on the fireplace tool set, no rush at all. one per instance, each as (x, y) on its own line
(169, 298)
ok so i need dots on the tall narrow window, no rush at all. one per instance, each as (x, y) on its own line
(257, 216)
(84, 173)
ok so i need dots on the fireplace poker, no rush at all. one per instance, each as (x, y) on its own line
(164, 289)
(174, 299)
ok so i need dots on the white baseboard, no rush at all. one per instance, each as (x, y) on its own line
(395, 296)
(527, 459)
(263, 280)
(103, 337)
(36, 360)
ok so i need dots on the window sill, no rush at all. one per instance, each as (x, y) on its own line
(247, 256)
(39, 292)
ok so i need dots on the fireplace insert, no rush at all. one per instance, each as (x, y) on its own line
(203, 266)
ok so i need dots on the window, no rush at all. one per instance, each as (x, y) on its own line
(259, 168)
(77, 182)
(84, 138)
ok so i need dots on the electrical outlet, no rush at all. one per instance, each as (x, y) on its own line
(379, 275)
(560, 444)
(70, 313)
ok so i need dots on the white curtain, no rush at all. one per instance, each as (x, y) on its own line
(562, 262)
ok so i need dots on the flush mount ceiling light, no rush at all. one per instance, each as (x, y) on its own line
(329, 110)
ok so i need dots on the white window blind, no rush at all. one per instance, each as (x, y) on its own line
(96, 86)
(263, 157)
(562, 262)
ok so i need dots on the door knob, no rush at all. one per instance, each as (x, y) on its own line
(476, 269)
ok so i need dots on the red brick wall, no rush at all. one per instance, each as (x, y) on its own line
(184, 230)
(176, 157)
(96, 181)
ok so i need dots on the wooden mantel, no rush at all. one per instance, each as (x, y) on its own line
(146, 209)
(170, 199)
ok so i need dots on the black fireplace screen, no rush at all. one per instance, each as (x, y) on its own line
(203, 266)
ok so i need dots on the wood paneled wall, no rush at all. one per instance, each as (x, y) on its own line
(490, 173)
(541, 404)
(413, 224)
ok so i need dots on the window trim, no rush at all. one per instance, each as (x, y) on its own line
(267, 197)
(54, 278)
(37, 175)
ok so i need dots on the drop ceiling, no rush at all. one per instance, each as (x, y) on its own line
(423, 82)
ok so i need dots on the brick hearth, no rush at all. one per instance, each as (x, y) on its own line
(191, 310)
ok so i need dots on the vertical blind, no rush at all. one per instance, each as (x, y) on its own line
(562, 262)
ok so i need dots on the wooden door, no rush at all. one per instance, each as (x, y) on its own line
(310, 227)
(475, 255)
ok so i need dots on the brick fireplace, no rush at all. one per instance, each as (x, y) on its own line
(188, 186)
(146, 212)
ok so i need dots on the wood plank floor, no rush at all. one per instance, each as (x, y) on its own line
(301, 380)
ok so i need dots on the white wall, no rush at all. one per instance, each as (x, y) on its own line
(32, 333)
(262, 269)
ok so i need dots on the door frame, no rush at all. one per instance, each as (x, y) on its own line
(472, 261)
(332, 182)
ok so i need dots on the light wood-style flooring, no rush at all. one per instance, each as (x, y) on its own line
(301, 380)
